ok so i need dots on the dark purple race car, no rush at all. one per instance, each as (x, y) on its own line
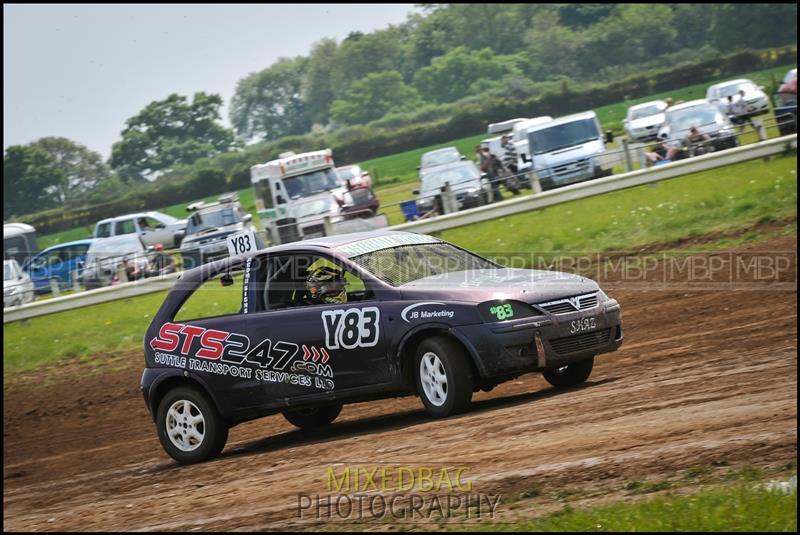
(305, 327)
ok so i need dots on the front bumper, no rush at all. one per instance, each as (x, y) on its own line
(542, 342)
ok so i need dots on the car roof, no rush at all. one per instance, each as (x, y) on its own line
(646, 104)
(732, 82)
(690, 104)
(563, 120)
(443, 149)
(87, 241)
(135, 215)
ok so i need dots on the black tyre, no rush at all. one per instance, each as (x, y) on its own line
(443, 376)
(572, 374)
(189, 426)
(314, 417)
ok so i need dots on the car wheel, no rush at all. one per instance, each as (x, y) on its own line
(313, 417)
(189, 427)
(572, 374)
(443, 376)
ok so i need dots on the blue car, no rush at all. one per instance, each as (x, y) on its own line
(61, 262)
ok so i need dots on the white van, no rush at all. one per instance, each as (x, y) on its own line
(567, 150)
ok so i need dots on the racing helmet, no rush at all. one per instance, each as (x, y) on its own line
(326, 284)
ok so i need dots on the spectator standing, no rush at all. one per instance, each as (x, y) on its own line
(739, 115)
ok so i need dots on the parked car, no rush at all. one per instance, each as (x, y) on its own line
(61, 263)
(353, 175)
(465, 180)
(151, 227)
(790, 75)
(17, 285)
(706, 117)
(356, 197)
(757, 101)
(105, 256)
(784, 106)
(644, 120)
(351, 318)
(435, 158)
(19, 242)
(209, 226)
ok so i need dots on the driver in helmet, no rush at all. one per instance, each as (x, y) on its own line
(325, 285)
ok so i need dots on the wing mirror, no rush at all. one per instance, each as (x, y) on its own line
(415, 192)
(226, 279)
(609, 136)
(247, 218)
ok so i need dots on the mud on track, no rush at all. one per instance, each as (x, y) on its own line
(705, 376)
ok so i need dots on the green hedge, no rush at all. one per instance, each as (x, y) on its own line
(428, 126)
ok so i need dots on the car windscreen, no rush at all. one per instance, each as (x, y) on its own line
(702, 115)
(202, 221)
(310, 183)
(564, 135)
(733, 89)
(407, 263)
(647, 111)
(440, 157)
(434, 180)
(346, 173)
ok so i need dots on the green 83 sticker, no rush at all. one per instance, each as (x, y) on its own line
(502, 312)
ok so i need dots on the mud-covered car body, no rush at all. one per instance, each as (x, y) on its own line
(277, 354)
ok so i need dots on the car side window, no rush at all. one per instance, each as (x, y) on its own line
(213, 298)
(124, 227)
(104, 230)
(282, 283)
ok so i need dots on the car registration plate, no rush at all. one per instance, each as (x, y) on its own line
(582, 325)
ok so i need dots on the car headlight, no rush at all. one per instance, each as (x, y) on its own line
(504, 310)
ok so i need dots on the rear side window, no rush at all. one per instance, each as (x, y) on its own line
(103, 230)
(124, 227)
(212, 299)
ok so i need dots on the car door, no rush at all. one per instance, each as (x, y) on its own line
(209, 329)
(310, 348)
(154, 231)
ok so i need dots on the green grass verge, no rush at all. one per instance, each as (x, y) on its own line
(721, 199)
(390, 171)
(743, 507)
(717, 200)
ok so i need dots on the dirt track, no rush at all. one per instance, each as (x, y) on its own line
(705, 377)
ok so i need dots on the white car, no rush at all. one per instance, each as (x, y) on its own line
(791, 75)
(104, 257)
(17, 285)
(151, 227)
(700, 114)
(644, 120)
(757, 100)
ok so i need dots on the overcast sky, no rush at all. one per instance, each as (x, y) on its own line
(79, 71)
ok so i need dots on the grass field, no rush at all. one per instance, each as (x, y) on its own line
(721, 199)
(396, 175)
(744, 507)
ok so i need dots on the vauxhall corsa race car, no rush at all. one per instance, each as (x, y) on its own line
(416, 315)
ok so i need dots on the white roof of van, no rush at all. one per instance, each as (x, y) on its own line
(15, 229)
(564, 120)
(505, 126)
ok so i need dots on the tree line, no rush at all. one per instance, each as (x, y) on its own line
(425, 66)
